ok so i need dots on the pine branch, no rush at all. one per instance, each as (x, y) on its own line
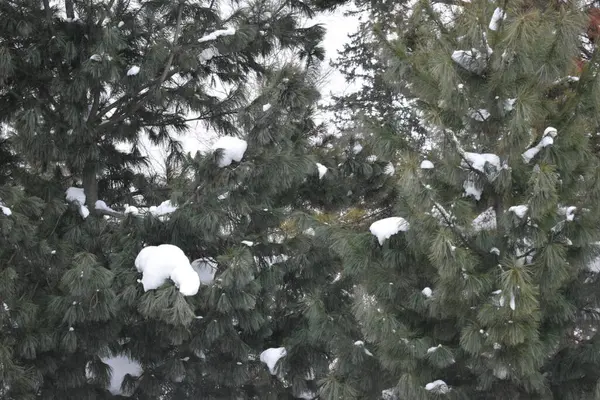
(174, 46)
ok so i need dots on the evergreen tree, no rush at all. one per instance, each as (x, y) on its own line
(483, 284)
(80, 79)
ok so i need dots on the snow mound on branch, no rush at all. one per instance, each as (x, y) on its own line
(133, 71)
(158, 263)
(385, 228)
(427, 292)
(357, 148)
(568, 212)
(322, 170)
(131, 210)
(433, 349)
(121, 366)
(519, 210)
(471, 60)
(547, 140)
(438, 386)
(272, 356)
(266, 107)
(208, 54)
(360, 343)
(77, 196)
(472, 189)
(426, 164)
(498, 16)
(389, 169)
(166, 207)
(486, 221)
(5, 210)
(206, 270)
(247, 243)
(479, 115)
(214, 35)
(233, 149)
(102, 206)
(477, 160)
(96, 57)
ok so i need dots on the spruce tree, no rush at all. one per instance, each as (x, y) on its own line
(482, 283)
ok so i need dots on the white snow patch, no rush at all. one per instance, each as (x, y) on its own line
(438, 386)
(547, 140)
(519, 210)
(568, 212)
(206, 270)
(472, 189)
(134, 70)
(272, 356)
(96, 57)
(426, 164)
(5, 210)
(372, 158)
(120, 24)
(498, 16)
(102, 206)
(477, 160)
(495, 250)
(77, 196)
(233, 149)
(512, 301)
(248, 243)
(131, 209)
(479, 115)
(157, 263)
(485, 221)
(266, 107)
(433, 349)
(214, 35)
(322, 170)
(427, 292)
(121, 366)
(471, 60)
(389, 169)
(357, 148)
(385, 228)
(164, 208)
(208, 54)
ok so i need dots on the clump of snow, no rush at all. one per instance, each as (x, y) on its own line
(214, 35)
(568, 212)
(272, 356)
(471, 60)
(426, 164)
(157, 263)
(266, 107)
(102, 206)
(547, 140)
(120, 24)
(509, 104)
(438, 386)
(164, 208)
(360, 343)
(385, 228)
(357, 148)
(372, 158)
(512, 301)
(131, 209)
(248, 243)
(96, 57)
(389, 169)
(477, 161)
(427, 292)
(479, 115)
(208, 54)
(121, 366)
(485, 221)
(472, 189)
(433, 349)
(495, 250)
(77, 196)
(134, 70)
(5, 210)
(498, 16)
(206, 270)
(519, 210)
(233, 149)
(322, 170)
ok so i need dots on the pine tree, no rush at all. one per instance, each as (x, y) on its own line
(80, 79)
(483, 283)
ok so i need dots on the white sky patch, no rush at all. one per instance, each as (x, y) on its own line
(216, 34)
(158, 263)
(272, 356)
(385, 228)
(121, 366)
(134, 70)
(322, 170)
(206, 270)
(233, 149)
